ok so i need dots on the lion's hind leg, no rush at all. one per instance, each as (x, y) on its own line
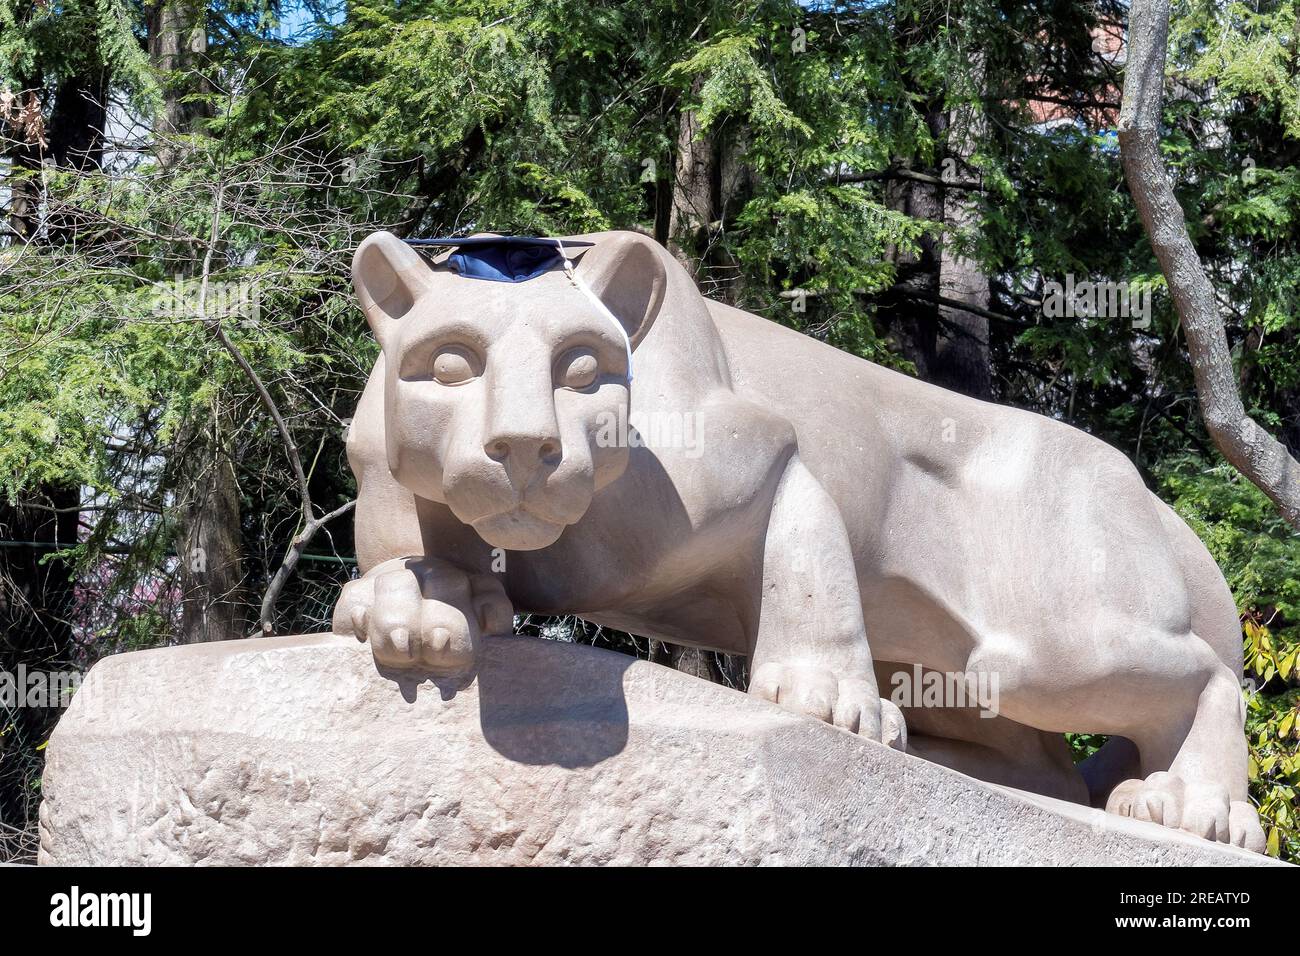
(1167, 692)
(1195, 768)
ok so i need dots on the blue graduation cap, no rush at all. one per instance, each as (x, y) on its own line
(520, 258)
(503, 258)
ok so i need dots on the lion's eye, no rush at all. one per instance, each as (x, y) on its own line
(454, 364)
(578, 369)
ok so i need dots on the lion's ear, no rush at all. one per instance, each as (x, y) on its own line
(628, 271)
(389, 277)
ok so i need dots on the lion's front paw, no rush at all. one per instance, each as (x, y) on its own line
(849, 702)
(423, 616)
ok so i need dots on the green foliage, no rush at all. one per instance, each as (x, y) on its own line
(1083, 746)
(110, 354)
(736, 84)
(1258, 552)
(1245, 51)
(1275, 769)
(48, 42)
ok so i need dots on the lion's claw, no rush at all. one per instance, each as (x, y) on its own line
(851, 703)
(423, 615)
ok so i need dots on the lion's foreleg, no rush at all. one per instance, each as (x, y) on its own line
(811, 653)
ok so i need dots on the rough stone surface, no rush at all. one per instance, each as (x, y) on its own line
(297, 751)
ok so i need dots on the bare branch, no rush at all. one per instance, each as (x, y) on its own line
(266, 620)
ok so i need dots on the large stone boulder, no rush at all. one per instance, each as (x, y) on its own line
(297, 751)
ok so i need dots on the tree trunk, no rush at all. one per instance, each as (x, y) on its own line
(76, 139)
(178, 44)
(735, 187)
(962, 361)
(717, 668)
(77, 121)
(1255, 453)
(213, 602)
(948, 346)
(694, 176)
(913, 323)
(213, 605)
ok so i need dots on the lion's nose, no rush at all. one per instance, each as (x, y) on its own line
(523, 450)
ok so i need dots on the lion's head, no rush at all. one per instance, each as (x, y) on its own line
(495, 392)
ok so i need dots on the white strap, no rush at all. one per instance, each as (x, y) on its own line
(586, 290)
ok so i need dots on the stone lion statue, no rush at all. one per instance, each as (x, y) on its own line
(844, 526)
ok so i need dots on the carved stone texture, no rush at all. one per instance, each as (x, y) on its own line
(297, 751)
